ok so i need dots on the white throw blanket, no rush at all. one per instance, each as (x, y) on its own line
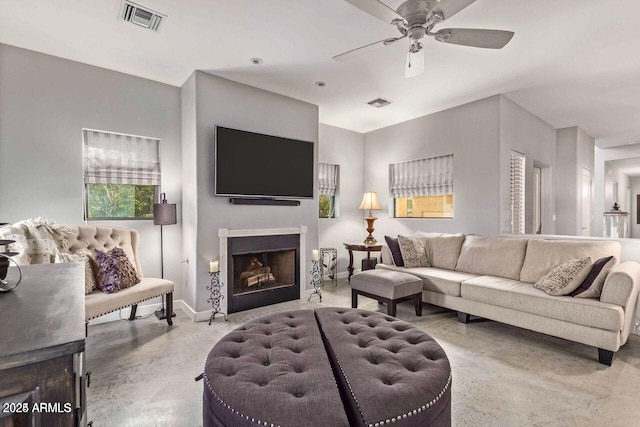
(37, 241)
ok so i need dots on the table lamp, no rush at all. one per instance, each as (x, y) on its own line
(163, 214)
(370, 202)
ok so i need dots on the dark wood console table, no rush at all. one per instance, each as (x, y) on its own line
(42, 341)
(360, 247)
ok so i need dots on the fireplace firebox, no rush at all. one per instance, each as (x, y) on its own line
(262, 270)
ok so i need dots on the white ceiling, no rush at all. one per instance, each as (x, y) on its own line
(629, 167)
(571, 62)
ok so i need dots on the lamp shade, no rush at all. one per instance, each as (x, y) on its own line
(164, 213)
(370, 201)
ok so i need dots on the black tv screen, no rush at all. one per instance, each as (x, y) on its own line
(251, 164)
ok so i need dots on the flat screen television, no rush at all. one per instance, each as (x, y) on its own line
(254, 165)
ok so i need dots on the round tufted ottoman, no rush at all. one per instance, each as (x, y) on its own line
(328, 367)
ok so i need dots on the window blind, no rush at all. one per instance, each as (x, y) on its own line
(113, 158)
(327, 179)
(424, 177)
(518, 162)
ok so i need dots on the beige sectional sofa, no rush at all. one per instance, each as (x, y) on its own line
(492, 277)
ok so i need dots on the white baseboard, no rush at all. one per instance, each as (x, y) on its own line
(196, 316)
(343, 275)
(143, 310)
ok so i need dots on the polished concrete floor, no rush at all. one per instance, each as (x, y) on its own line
(143, 371)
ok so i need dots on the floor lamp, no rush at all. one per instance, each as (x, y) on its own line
(163, 214)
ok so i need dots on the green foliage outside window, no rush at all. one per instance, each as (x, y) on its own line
(327, 207)
(120, 201)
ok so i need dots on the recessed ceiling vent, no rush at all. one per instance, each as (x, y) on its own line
(141, 16)
(379, 102)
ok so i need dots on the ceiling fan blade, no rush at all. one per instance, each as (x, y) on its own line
(364, 49)
(488, 39)
(377, 9)
(448, 8)
(414, 65)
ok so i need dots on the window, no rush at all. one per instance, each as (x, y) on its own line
(423, 188)
(121, 175)
(328, 187)
(518, 162)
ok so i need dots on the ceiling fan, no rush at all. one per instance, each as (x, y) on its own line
(415, 20)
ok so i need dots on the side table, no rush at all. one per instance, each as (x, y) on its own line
(360, 247)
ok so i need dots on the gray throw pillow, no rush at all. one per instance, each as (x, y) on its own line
(566, 277)
(83, 256)
(413, 253)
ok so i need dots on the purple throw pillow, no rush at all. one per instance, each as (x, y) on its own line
(394, 247)
(114, 271)
(595, 270)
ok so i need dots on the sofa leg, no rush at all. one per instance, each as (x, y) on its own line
(418, 301)
(169, 309)
(463, 317)
(354, 299)
(132, 316)
(605, 356)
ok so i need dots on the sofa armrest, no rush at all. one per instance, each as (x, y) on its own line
(385, 256)
(621, 288)
(622, 284)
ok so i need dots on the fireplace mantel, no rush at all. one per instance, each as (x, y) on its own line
(224, 234)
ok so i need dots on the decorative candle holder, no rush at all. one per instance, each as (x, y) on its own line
(215, 288)
(315, 279)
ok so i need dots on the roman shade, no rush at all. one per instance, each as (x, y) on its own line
(327, 179)
(114, 158)
(424, 177)
(518, 162)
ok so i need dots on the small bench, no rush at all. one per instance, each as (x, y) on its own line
(387, 286)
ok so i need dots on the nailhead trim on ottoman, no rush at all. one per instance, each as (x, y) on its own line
(393, 371)
(278, 371)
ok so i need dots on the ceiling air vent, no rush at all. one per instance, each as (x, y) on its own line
(379, 102)
(141, 16)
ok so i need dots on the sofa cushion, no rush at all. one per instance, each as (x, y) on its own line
(413, 253)
(566, 277)
(443, 251)
(492, 256)
(98, 303)
(595, 289)
(436, 279)
(114, 271)
(544, 255)
(523, 297)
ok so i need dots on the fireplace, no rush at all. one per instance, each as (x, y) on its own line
(262, 270)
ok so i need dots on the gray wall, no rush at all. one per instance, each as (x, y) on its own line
(223, 102)
(523, 132)
(470, 132)
(575, 150)
(345, 148)
(45, 102)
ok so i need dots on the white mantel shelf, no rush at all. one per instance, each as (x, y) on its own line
(224, 234)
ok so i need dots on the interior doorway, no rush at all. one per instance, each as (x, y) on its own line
(587, 213)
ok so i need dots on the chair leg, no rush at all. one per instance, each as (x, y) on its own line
(354, 299)
(418, 301)
(132, 316)
(169, 311)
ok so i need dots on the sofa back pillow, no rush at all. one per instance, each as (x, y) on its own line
(544, 255)
(413, 253)
(566, 277)
(443, 251)
(493, 256)
(394, 248)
